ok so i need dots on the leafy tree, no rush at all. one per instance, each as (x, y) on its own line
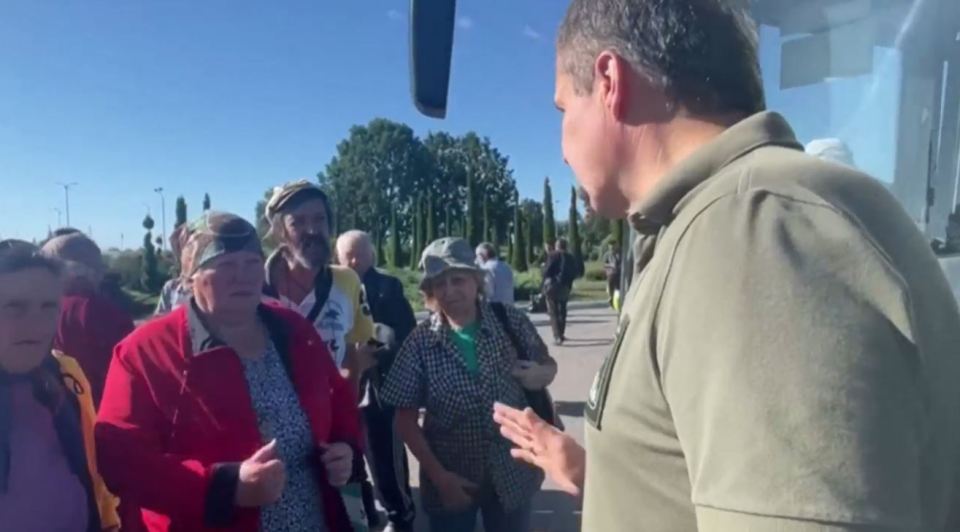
(549, 222)
(378, 166)
(575, 226)
(455, 158)
(206, 202)
(181, 212)
(148, 223)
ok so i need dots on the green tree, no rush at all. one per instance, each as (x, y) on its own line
(549, 222)
(415, 244)
(574, 222)
(431, 219)
(487, 223)
(519, 258)
(529, 253)
(448, 221)
(394, 242)
(617, 233)
(206, 202)
(150, 272)
(378, 166)
(455, 158)
(472, 232)
(181, 212)
(533, 213)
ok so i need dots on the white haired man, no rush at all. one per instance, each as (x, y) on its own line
(394, 320)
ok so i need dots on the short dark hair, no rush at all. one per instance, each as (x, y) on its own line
(63, 231)
(702, 53)
(488, 249)
(17, 256)
(562, 244)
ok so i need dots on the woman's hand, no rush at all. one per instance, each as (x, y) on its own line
(542, 445)
(456, 492)
(533, 376)
(337, 459)
(262, 477)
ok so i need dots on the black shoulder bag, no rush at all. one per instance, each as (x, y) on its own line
(539, 400)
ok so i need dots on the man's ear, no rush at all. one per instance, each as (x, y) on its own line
(611, 83)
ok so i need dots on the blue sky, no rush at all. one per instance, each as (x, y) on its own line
(231, 97)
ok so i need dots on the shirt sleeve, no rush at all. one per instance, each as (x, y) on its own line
(362, 318)
(405, 385)
(787, 358)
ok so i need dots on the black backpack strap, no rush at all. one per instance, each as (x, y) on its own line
(321, 291)
(500, 311)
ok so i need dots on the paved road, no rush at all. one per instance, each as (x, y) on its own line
(590, 334)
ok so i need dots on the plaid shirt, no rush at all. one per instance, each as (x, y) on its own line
(429, 372)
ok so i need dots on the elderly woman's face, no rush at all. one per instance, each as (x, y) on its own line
(231, 282)
(455, 292)
(29, 308)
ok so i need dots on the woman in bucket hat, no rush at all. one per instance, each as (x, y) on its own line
(456, 365)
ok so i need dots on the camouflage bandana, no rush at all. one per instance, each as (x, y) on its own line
(216, 234)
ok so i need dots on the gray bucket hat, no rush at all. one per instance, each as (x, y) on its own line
(444, 255)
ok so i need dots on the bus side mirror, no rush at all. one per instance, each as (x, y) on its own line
(431, 47)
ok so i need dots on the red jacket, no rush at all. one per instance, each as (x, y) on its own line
(91, 325)
(176, 419)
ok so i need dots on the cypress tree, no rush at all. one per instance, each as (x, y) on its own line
(206, 202)
(448, 220)
(519, 246)
(487, 225)
(471, 230)
(549, 223)
(575, 227)
(394, 242)
(181, 212)
(415, 245)
(431, 219)
(528, 240)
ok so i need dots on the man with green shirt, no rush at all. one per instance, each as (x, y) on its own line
(787, 356)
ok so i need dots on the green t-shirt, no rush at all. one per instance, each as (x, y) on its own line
(466, 341)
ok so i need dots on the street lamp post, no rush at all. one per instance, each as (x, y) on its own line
(66, 197)
(163, 217)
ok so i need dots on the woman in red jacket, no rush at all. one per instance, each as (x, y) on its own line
(227, 414)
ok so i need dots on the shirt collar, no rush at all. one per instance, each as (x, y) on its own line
(202, 339)
(665, 200)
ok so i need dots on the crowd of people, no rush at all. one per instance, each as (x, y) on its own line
(786, 355)
(265, 387)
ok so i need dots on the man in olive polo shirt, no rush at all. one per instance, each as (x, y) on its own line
(787, 358)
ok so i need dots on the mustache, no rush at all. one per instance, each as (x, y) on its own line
(314, 241)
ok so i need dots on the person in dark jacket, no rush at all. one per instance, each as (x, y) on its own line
(91, 324)
(394, 321)
(48, 470)
(559, 272)
(228, 413)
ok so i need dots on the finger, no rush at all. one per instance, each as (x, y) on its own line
(519, 429)
(503, 414)
(525, 456)
(266, 453)
(333, 456)
(516, 437)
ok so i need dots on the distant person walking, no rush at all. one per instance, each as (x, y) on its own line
(559, 272)
(394, 321)
(612, 270)
(499, 283)
(91, 324)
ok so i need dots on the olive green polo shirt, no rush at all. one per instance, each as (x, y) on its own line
(788, 358)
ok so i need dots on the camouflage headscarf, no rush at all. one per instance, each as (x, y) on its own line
(216, 234)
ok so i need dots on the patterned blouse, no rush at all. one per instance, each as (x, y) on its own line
(430, 373)
(280, 416)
